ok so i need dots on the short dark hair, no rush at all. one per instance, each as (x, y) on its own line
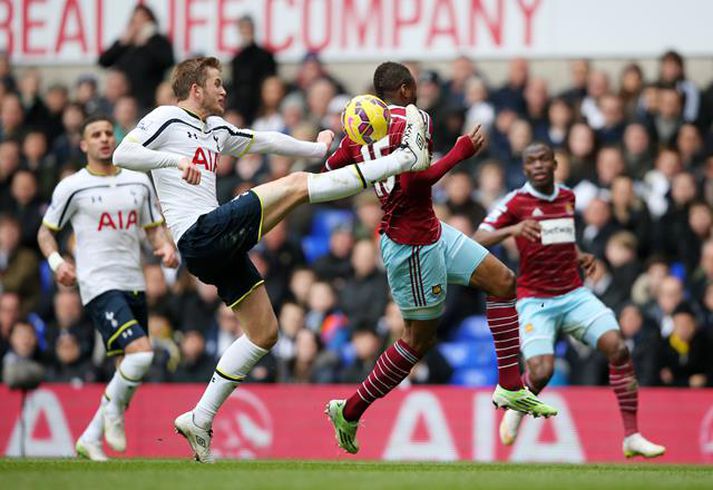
(389, 76)
(147, 11)
(92, 119)
(189, 72)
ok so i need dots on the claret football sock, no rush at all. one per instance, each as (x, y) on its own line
(623, 381)
(233, 366)
(391, 368)
(504, 325)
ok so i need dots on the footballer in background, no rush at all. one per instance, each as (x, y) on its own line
(422, 255)
(107, 207)
(551, 296)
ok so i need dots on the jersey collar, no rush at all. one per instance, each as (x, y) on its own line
(97, 174)
(531, 190)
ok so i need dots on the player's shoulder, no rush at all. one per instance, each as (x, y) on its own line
(217, 124)
(565, 191)
(164, 112)
(78, 180)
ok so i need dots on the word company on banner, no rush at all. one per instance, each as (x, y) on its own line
(427, 423)
(76, 31)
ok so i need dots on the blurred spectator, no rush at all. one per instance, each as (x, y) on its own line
(319, 95)
(479, 109)
(673, 229)
(310, 70)
(668, 297)
(669, 118)
(66, 148)
(598, 227)
(301, 283)
(56, 100)
(196, 365)
(268, 117)
(621, 255)
(459, 191)
(491, 185)
(684, 353)
(644, 343)
(698, 230)
(116, 86)
(11, 117)
(325, 318)
(630, 213)
(69, 319)
(609, 165)
(672, 73)
(22, 345)
(658, 181)
(7, 79)
(310, 363)
(34, 108)
(367, 348)
(142, 53)
(637, 150)
(37, 160)
(462, 71)
(166, 353)
(559, 119)
(581, 145)
(612, 130)
(369, 214)
(19, 267)
(512, 94)
(591, 110)
(690, 145)
(283, 255)
(126, 115)
(364, 296)
(291, 320)
(631, 84)
(86, 92)
(69, 365)
(27, 209)
(251, 65)
(336, 265)
(536, 102)
(579, 72)
(165, 95)
(702, 276)
(197, 310)
(646, 287)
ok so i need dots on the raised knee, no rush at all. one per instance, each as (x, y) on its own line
(504, 285)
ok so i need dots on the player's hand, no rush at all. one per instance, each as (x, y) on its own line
(66, 274)
(588, 263)
(326, 137)
(477, 138)
(169, 257)
(189, 172)
(529, 229)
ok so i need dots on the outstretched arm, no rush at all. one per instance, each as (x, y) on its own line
(466, 146)
(488, 235)
(282, 144)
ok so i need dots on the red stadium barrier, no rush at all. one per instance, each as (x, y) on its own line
(434, 423)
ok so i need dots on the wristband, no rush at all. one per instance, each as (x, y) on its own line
(55, 260)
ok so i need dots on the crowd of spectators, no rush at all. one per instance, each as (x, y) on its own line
(637, 152)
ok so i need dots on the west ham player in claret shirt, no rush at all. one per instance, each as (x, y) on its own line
(422, 256)
(551, 298)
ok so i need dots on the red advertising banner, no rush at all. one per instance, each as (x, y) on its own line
(431, 423)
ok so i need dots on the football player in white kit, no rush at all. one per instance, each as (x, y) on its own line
(107, 207)
(180, 145)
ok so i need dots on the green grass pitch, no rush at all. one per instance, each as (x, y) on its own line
(136, 474)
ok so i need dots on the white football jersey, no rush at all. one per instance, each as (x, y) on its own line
(175, 130)
(106, 212)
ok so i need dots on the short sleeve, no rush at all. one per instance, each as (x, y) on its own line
(61, 207)
(150, 210)
(501, 216)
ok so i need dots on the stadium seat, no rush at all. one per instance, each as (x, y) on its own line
(324, 222)
(473, 328)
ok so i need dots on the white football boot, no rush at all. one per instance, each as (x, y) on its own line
(91, 450)
(114, 432)
(414, 140)
(638, 445)
(197, 437)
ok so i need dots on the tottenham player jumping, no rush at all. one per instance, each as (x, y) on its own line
(107, 206)
(551, 298)
(422, 256)
(180, 145)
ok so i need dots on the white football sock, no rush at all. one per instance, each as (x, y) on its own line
(95, 429)
(233, 366)
(352, 179)
(126, 379)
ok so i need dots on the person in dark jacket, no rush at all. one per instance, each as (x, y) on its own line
(250, 66)
(142, 53)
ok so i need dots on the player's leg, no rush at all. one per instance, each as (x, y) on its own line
(279, 197)
(469, 263)
(245, 293)
(605, 334)
(538, 320)
(121, 319)
(418, 282)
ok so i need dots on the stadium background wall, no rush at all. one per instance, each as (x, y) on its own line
(443, 423)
